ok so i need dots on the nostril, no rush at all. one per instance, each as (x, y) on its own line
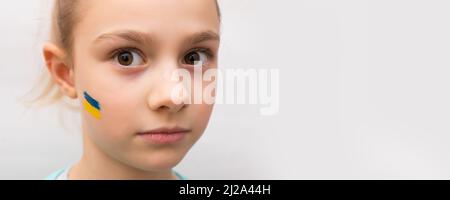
(174, 108)
(164, 108)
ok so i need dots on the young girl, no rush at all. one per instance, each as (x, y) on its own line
(115, 58)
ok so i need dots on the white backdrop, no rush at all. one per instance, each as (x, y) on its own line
(363, 93)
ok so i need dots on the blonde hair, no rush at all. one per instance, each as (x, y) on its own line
(63, 20)
(65, 16)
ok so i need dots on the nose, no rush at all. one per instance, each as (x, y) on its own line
(160, 97)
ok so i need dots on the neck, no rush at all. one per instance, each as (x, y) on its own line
(95, 164)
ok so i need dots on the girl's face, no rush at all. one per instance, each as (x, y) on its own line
(124, 53)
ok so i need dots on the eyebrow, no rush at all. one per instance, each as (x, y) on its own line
(147, 38)
(128, 35)
(204, 36)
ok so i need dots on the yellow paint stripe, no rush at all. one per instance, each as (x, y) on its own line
(91, 109)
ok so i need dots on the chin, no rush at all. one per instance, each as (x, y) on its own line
(159, 163)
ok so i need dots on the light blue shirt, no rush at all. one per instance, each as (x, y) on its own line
(62, 174)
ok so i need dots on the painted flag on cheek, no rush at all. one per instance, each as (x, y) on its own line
(91, 105)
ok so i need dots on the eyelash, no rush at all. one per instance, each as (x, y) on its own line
(116, 52)
(206, 51)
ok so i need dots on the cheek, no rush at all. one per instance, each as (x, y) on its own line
(203, 111)
(199, 118)
(119, 121)
(119, 112)
(117, 118)
(118, 100)
(202, 114)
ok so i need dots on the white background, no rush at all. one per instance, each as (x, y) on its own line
(363, 93)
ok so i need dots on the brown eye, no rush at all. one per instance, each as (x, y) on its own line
(129, 59)
(195, 56)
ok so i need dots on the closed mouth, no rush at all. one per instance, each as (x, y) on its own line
(164, 135)
(165, 130)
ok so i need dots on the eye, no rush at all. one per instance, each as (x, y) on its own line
(129, 58)
(196, 56)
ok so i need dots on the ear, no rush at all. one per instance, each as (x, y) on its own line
(61, 72)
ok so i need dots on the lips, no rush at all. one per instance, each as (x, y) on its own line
(164, 135)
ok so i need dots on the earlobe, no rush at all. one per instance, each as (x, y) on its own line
(58, 67)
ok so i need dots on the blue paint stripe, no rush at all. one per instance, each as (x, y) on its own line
(91, 101)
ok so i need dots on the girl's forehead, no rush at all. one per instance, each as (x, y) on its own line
(160, 17)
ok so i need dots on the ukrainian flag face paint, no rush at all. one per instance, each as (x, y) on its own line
(91, 105)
